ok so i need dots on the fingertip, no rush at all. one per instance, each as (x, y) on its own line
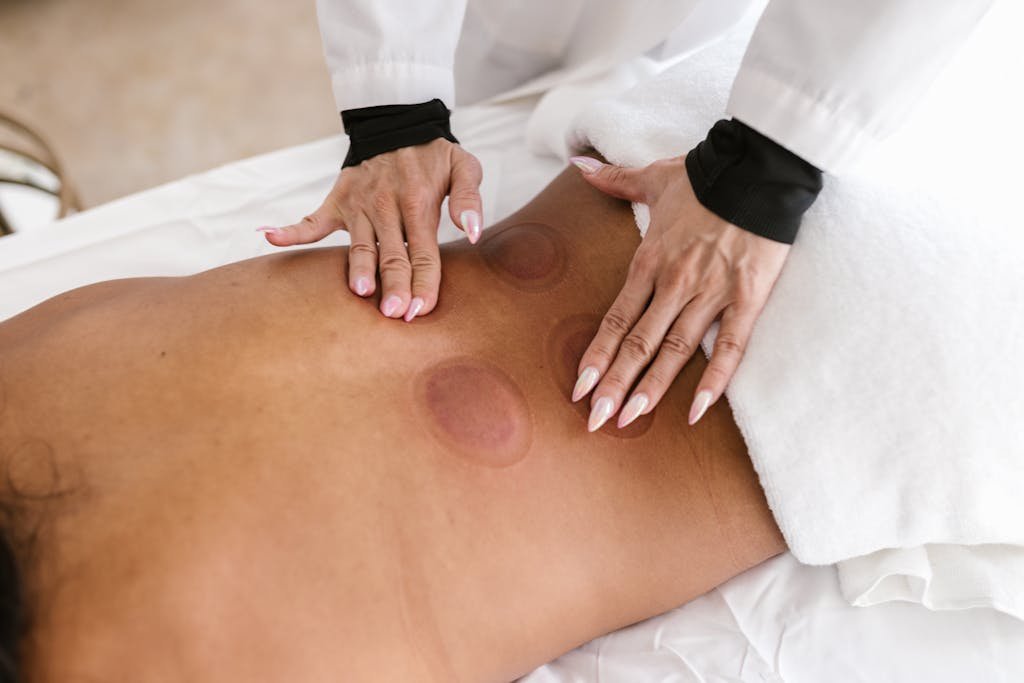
(585, 382)
(415, 306)
(701, 402)
(470, 222)
(638, 404)
(279, 237)
(269, 232)
(588, 165)
(362, 285)
(391, 306)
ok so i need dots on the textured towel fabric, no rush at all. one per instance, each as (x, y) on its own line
(881, 394)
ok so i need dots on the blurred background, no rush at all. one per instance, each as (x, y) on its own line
(128, 94)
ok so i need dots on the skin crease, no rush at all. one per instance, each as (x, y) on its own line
(252, 488)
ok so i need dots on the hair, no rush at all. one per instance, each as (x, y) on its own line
(12, 602)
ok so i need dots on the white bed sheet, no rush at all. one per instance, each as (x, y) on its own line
(781, 621)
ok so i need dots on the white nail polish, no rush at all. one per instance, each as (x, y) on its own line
(470, 221)
(585, 382)
(700, 405)
(362, 286)
(391, 305)
(586, 164)
(633, 408)
(414, 307)
(599, 415)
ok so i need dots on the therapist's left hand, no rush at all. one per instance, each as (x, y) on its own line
(691, 268)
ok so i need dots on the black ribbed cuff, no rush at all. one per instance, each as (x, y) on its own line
(751, 181)
(375, 130)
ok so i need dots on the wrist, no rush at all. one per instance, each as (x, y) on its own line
(751, 181)
(380, 129)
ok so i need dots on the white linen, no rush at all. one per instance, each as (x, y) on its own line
(781, 621)
(786, 622)
(882, 394)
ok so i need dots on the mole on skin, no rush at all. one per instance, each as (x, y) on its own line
(567, 341)
(529, 256)
(476, 410)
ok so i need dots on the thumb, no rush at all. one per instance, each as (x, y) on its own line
(312, 228)
(618, 181)
(464, 203)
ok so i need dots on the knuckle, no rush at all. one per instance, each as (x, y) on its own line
(415, 202)
(395, 262)
(657, 379)
(729, 343)
(677, 344)
(362, 249)
(637, 348)
(716, 375)
(422, 259)
(616, 174)
(616, 382)
(468, 163)
(599, 351)
(615, 322)
(676, 276)
(464, 193)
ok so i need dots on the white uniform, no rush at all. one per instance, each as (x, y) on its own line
(823, 78)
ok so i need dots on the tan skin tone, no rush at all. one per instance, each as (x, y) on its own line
(692, 268)
(266, 480)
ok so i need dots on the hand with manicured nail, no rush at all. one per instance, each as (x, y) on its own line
(691, 268)
(390, 205)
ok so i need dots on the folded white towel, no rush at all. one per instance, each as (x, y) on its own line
(881, 394)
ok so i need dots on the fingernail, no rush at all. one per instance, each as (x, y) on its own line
(414, 307)
(586, 164)
(266, 228)
(470, 221)
(585, 382)
(362, 285)
(633, 408)
(700, 405)
(599, 415)
(390, 305)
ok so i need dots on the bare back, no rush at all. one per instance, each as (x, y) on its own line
(267, 480)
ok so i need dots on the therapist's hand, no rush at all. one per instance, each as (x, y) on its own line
(390, 205)
(690, 268)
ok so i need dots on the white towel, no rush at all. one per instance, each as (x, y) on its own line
(881, 393)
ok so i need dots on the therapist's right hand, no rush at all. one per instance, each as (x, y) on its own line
(390, 205)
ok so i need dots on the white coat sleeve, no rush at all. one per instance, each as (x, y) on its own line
(390, 51)
(827, 79)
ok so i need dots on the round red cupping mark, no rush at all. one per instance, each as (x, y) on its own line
(529, 256)
(476, 411)
(567, 342)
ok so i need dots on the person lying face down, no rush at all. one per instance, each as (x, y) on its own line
(250, 475)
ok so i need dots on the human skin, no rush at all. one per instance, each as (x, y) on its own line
(257, 477)
(389, 205)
